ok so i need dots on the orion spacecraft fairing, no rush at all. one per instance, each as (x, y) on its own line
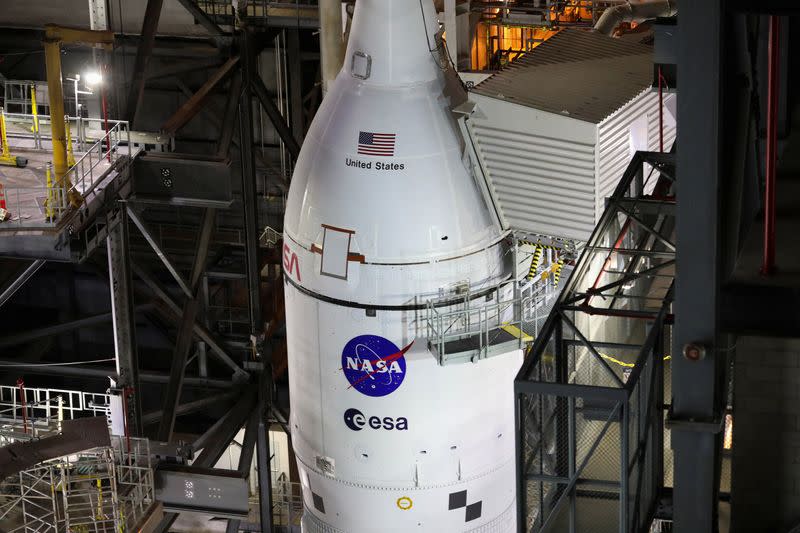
(384, 215)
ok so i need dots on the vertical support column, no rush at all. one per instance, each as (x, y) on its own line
(773, 95)
(202, 348)
(562, 420)
(55, 89)
(573, 452)
(295, 84)
(246, 459)
(263, 453)
(98, 15)
(98, 20)
(624, 486)
(249, 189)
(696, 383)
(331, 41)
(122, 312)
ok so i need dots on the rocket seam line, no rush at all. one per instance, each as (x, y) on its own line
(492, 244)
(409, 307)
(409, 489)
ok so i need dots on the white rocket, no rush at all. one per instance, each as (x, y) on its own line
(383, 216)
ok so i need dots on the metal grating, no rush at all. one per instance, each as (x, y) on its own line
(589, 396)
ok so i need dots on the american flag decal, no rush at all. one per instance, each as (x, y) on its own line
(380, 144)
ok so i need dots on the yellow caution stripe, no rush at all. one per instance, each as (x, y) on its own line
(557, 272)
(516, 332)
(537, 258)
(545, 246)
(616, 361)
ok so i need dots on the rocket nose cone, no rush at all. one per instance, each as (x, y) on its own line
(393, 42)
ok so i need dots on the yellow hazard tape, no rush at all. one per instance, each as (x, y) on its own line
(537, 257)
(516, 332)
(557, 272)
(623, 363)
(545, 246)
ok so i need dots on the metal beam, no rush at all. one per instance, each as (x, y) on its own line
(202, 17)
(249, 188)
(185, 332)
(696, 385)
(154, 244)
(274, 114)
(229, 116)
(152, 14)
(295, 65)
(193, 106)
(245, 460)
(78, 371)
(263, 453)
(212, 113)
(216, 443)
(192, 407)
(16, 284)
(124, 318)
(199, 330)
(57, 329)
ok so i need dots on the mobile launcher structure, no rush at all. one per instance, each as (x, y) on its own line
(405, 319)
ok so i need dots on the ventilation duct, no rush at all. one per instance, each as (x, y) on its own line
(634, 11)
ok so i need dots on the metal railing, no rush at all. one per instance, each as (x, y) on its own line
(221, 11)
(473, 329)
(589, 396)
(108, 489)
(270, 237)
(287, 502)
(86, 172)
(46, 205)
(27, 413)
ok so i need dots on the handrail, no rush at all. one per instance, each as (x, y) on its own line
(113, 140)
(89, 169)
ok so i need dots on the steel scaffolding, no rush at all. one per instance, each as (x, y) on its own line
(589, 397)
(106, 490)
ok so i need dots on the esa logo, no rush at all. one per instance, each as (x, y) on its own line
(356, 420)
(374, 365)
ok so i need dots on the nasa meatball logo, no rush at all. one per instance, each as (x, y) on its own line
(356, 420)
(373, 365)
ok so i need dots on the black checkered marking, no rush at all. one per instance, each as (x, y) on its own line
(319, 504)
(473, 511)
(458, 500)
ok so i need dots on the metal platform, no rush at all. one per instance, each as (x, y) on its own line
(44, 223)
(505, 319)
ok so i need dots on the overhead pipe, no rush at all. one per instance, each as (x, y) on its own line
(634, 11)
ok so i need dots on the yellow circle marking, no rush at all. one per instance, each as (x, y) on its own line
(404, 503)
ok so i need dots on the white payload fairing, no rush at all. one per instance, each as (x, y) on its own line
(384, 215)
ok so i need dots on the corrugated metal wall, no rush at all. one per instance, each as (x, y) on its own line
(614, 141)
(540, 168)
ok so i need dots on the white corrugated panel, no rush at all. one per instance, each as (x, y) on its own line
(632, 127)
(540, 168)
